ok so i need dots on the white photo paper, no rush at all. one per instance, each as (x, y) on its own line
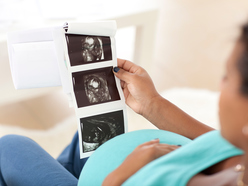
(96, 93)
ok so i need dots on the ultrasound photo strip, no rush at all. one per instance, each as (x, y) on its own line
(97, 96)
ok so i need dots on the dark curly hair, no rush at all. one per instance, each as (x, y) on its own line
(242, 63)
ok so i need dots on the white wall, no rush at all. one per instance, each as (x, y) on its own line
(194, 39)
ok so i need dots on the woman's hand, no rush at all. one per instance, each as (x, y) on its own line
(142, 155)
(147, 152)
(138, 88)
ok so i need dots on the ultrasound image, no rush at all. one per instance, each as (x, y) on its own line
(92, 49)
(96, 87)
(85, 49)
(98, 129)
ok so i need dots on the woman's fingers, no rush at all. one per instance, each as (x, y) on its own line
(149, 143)
(127, 65)
(137, 86)
(161, 147)
(167, 147)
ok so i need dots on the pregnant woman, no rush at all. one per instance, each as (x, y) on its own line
(207, 157)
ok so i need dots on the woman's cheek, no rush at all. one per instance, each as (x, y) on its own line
(230, 116)
(221, 113)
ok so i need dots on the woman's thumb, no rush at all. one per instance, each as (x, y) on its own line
(122, 74)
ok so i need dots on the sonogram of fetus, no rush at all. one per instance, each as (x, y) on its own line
(96, 88)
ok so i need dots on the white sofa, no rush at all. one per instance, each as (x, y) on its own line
(201, 104)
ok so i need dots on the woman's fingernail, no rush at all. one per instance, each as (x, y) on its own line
(116, 69)
(156, 139)
(179, 145)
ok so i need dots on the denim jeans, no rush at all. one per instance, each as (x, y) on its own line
(24, 163)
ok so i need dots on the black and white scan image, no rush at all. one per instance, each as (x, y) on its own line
(100, 128)
(92, 49)
(95, 86)
(84, 49)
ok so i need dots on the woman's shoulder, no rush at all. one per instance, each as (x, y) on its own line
(213, 142)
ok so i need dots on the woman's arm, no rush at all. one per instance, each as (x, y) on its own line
(226, 177)
(167, 116)
(142, 97)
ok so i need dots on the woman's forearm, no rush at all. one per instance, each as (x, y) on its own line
(142, 97)
(115, 178)
(166, 116)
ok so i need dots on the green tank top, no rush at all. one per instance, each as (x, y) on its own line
(178, 167)
(173, 169)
